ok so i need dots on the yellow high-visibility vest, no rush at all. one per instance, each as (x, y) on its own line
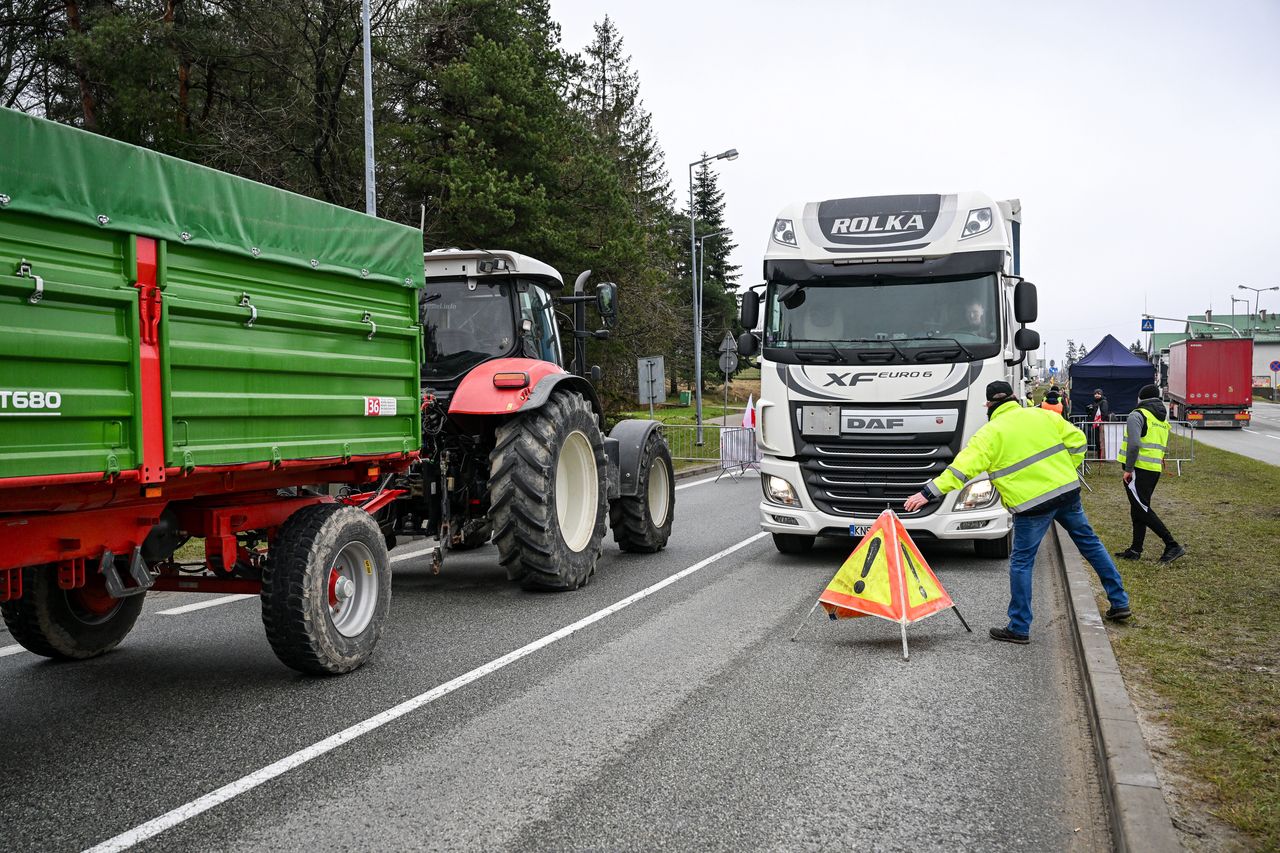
(1151, 447)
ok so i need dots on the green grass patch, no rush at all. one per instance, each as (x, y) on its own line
(1205, 638)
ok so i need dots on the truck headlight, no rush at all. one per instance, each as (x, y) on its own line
(979, 494)
(783, 232)
(979, 222)
(778, 491)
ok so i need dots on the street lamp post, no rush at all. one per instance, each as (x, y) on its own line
(1234, 300)
(700, 279)
(370, 195)
(731, 154)
(1256, 292)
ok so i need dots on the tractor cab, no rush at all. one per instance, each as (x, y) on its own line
(481, 305)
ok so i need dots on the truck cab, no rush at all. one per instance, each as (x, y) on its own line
(884, 318)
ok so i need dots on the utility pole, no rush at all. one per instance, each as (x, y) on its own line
(731, 154)
(370, 193)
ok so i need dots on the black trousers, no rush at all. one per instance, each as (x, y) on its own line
(1140, 511)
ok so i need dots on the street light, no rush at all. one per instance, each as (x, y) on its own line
(1234, 300)
(699, 280)
(730, 154)
(1256, 292)
(370, 193)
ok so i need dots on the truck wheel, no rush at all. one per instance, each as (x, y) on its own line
(643, 523)
(993, 549)
(68, 624)
(793, 543)
(548, 494)
(326, 589)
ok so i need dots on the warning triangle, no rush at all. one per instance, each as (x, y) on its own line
(885, 576)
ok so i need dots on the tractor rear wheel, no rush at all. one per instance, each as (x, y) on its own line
(548, 494)
(326, 589)
(68, 624)
(642, 523)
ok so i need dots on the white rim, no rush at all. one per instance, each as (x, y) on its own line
(577, 491)
(352, 587)
(659, 492)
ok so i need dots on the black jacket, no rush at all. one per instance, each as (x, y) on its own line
(1091, 410)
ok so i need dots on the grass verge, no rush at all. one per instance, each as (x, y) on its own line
(1205, 638)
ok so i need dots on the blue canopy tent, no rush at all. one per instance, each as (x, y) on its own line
(1119, 373)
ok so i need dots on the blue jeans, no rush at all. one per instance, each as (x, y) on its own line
(1028, 530)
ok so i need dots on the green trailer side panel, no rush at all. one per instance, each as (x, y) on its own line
(77, 342)
(294, 384)
(67, 173)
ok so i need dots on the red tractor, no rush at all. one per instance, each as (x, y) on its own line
(514, 446)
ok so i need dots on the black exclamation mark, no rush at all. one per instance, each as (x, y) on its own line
(911, 565)
(872, 550)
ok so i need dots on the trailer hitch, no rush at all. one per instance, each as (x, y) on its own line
(137, 570)
(24, 271)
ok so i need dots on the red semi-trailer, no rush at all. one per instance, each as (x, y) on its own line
(1210, 381)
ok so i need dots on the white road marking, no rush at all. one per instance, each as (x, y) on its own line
(700, 482)
(1263, 434)
(201, 605)
(183, 813)
(411, 554)
(11, 650)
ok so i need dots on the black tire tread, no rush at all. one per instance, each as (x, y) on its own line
(633, 529)
(33, 622)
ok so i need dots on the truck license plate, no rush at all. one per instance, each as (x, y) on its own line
(858, 530)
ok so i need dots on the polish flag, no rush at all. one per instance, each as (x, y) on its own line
(749, 416)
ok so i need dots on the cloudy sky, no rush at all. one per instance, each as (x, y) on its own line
(1143, 138)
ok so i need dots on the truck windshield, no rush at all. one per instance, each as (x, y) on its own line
(885, 320)
(464, 324)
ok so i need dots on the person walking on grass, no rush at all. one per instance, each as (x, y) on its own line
(1146, 436)
(1030, 456)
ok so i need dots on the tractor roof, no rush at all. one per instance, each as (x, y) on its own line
(455, 263)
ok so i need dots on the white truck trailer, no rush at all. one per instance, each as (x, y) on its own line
(884, 319)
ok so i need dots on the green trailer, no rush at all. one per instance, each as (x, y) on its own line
(184, 353)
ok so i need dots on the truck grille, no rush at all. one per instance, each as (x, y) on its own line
(859, 476)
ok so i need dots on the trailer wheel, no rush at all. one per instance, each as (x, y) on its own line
(68, 624)
(793, 543)
(642, 523)
(326, 589)
(993, 549)
(548, 494)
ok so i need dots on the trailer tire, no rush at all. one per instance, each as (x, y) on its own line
(548, 494)
(793, 543)
(642, 523)
(326, 589)
(68, 624)
(993, 549)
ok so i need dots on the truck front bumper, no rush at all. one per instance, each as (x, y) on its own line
(807, 520)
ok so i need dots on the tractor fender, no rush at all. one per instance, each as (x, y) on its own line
(631, 436)
(552, 382)
(476, 394)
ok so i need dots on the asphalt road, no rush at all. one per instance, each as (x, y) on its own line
(686, 720)
(1260, 440)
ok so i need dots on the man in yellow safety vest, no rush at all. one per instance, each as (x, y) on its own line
(1146, 437)
(1031, 456)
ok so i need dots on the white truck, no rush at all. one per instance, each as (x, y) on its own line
(884, 319)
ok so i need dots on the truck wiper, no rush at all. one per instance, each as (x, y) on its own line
(962, 347)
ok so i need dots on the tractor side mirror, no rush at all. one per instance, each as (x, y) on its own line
(750, 310)
(1027, 340)
(747, 344)
(1025, 304)
(607, 302)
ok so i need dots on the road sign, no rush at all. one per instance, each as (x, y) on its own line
(728, 362)
(652, 373)
(1148, 324)
(1275, 366)
(728, 345)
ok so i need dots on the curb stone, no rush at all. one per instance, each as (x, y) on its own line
(1139, 816)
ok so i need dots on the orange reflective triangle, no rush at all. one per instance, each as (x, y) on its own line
(885, 576)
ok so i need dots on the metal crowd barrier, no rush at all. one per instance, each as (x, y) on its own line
(734, 448)
(1105, 439)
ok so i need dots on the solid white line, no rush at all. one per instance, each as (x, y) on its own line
(11, 650)
(201, 605)
(183, 813)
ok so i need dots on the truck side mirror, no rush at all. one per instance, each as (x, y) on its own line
(750, 311)
(1025, 304)
(607, 302)
(747, 344)
(1027, 340)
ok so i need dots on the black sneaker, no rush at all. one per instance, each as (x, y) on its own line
(1172, 553)
(1129, 554)
(1118, 614)
(1004, 635)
